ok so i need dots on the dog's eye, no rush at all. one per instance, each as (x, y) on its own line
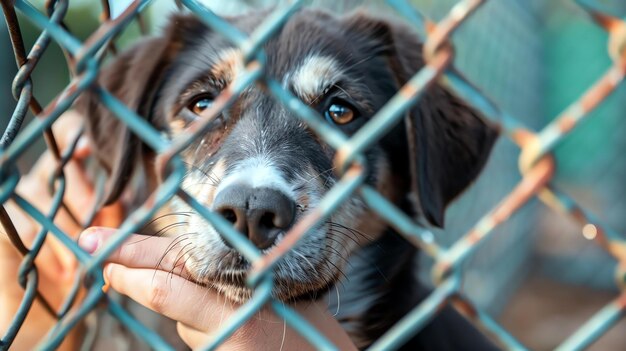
(199, 104)
(340, 114)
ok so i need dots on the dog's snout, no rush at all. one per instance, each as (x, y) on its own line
(260, 213)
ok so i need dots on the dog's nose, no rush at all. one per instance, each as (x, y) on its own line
(259, 213)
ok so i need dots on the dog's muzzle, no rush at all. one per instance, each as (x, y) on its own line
(262, 214)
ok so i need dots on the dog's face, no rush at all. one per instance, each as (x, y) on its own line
(261, 167)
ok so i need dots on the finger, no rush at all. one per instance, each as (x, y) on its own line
(169, 294)
(193, 338)
(141, 251)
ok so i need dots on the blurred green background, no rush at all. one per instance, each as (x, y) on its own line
(537, 274)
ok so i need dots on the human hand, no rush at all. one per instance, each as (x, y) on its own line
(55, 263)
(151, 271)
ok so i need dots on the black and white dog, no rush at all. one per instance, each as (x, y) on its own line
(263, 169)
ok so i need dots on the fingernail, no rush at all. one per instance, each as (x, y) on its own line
(89, 241)
(106, 274)
(107, 271)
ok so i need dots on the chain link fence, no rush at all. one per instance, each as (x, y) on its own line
(536, 164)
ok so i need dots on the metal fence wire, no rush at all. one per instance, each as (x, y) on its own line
(536, 164)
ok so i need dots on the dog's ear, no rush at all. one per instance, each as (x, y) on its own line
(134, 77)
(452, 145)
(452, 142)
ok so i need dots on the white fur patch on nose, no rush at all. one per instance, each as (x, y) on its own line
(314, 76)
(257, 172)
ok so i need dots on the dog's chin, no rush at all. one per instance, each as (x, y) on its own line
(230, 282)
(241, 294)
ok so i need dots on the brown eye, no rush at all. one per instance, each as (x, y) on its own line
(340, 114)
(200, 104)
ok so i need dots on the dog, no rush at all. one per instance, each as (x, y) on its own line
(263, 169)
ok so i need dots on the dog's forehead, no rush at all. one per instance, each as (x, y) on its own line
(306, 52)
(308, 41)
(307, 77)
(309, 51)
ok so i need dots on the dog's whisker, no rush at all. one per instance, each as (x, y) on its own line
(320, 174)
(295, 252)
(161, 232)
(352, 230)
(168, 227)
(336, 240)
(345, 234)
(170, 273)
(208, 174)
(338, 302)
(169, 214)
(195, 184)
(334, 251)
(339, 271)
(181, 255)
(343, 90)
(334, 254)
(181, 238)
